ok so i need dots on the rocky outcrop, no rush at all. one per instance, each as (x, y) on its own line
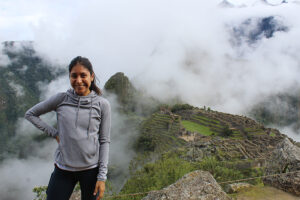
(285, 158)
(76, 195)
(198, 185)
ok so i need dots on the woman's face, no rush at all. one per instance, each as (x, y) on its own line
(81, 79)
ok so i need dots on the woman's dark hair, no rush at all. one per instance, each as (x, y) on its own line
(88, 65)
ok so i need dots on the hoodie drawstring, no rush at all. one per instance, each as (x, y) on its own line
(77, 112)
(90, 116)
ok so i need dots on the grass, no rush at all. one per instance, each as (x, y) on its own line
(207, 123)
(194, 127)
(272, 134)
(252, 130)
(260, 192)
(206, 119)
(256, 133)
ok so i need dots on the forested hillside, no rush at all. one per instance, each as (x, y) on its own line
(20, 82)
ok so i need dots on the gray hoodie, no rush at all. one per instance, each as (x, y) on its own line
(83, 127)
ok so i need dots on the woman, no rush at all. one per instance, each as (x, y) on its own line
(83, 134)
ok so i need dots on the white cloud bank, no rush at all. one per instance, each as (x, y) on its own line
(171, 48)
(178, 48)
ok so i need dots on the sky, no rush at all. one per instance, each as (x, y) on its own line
(168, 48)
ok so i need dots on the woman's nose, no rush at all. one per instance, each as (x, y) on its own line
(78, 79)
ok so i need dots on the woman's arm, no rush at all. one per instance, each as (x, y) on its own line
(43, 107)
(104, 139)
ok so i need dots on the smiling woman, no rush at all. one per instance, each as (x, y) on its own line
(81, 79)
(82, 76)
(83, 134)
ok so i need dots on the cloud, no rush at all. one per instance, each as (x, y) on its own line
(20, 176)
(174, 48)
(290, 131)
(123, 135)
(178, 49)
(4, 59)
(61, 84)
(18, 89)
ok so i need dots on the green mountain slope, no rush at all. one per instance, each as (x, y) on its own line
(172, 144)
(19, 90)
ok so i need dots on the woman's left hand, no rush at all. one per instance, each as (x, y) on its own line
(100, 187)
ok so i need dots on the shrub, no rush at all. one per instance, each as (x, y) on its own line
(178, 107)
(227, 131)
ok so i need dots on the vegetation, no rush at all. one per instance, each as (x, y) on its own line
(227, 131)
(171, 167)
(178, 107)
(195, 127)
(119, 84)
(159, 133)
(41, 192)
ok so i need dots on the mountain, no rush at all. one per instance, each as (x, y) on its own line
(178, 138)
(255, 29)
(20, 80)
(130, 99)
(280, 109)
(175, 143)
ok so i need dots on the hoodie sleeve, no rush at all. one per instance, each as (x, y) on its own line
(43, 107)
(104, 139)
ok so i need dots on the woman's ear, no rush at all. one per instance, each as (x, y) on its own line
(93, 76)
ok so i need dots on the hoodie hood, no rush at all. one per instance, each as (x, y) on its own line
(82, 101)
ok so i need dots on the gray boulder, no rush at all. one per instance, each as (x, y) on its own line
(284, 159)
(195, 185)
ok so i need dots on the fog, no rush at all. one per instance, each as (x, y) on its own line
(20, 176)
(186, 49)
(4, 60)
(180, 49)
(176, 48)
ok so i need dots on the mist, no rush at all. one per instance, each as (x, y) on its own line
(181, 49)
(4, 60)
(20, 176)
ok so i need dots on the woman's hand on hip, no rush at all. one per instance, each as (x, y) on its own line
(100, 187)
(57, 139)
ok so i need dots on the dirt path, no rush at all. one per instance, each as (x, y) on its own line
(188, 138)
(265, 193)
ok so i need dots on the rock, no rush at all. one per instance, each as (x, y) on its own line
(285, 158)
(76, 195)
(236, 187)
(195, 185)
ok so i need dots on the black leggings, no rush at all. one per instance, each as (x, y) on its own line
(62, 183)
